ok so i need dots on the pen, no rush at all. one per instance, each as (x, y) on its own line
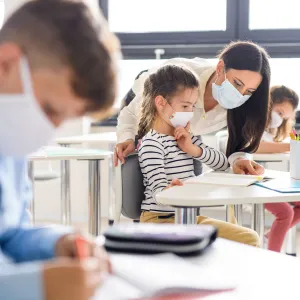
(81, 248)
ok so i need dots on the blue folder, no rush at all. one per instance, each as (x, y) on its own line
(281, 185)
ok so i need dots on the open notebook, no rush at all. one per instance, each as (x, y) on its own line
(230, 179)
(140, 276)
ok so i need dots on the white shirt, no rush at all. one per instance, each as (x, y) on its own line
(202, 122)
(161, 161)
(267, 137)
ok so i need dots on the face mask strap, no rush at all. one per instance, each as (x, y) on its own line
(174, 112)
(218, 77)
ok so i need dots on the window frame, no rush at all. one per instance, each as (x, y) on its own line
(279, 42)
(143, 45)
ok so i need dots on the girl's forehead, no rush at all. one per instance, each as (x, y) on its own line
(187, 95)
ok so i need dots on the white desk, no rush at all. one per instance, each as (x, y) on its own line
(188, 197)
(94, 157)
(259, 274)
(271, 157)
(109, 138)
(93, 138)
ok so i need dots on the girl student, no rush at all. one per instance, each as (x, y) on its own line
(168, 149)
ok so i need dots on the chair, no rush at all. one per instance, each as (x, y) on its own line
(129, 188)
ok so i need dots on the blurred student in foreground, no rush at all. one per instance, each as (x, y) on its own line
(56, 63)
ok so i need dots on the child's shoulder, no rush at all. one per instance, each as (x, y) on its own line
(153, 137)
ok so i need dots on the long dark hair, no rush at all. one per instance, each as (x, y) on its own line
(247, 123)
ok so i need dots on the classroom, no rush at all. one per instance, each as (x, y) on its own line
(149, 149)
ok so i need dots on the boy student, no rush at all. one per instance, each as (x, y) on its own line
(56, 63)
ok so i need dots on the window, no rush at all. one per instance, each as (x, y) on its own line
(166, 16)
(281, 14)
(192, 28)
(2, 11)
(145, 25)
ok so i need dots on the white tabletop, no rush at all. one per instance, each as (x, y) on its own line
(195, 195)
(261, 274)
(61, 153)
(107, 137)
(271, 157)
(257, 273)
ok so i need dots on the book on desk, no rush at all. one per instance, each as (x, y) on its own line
(147, 276)
(230, 179)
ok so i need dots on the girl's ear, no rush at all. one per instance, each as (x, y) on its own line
(160, 102)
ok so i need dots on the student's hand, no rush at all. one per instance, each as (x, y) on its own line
(68, 279)
(66, 247)
(122, 150)
(174, 182)
(184, 141)
(247, 167)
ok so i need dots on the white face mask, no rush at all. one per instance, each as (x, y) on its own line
(180, 118)
(227, 95)
(275, 121)
(24, 127)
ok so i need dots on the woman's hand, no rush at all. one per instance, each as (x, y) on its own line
(247, 167)
(122, 150)
(184, 141)
(70, 279)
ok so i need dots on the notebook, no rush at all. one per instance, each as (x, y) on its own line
(144, 276)
(228, 179)
(282, 185)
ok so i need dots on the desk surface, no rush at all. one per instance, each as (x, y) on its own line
(107, 137)
(61, 153)
(259, 274)
(271, 157)
(195, 195)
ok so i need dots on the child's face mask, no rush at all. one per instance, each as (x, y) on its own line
(276, 120)
(24, 126)
(179, 118)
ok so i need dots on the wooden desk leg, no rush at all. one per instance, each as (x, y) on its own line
(65, 191)
(258, 220)
(291, 245)
(185, 215)
(94, 198)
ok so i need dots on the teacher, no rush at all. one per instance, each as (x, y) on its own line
(234, 93)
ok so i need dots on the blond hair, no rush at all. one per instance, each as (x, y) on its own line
(167, 81)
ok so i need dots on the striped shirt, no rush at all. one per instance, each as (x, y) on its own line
(161, 160)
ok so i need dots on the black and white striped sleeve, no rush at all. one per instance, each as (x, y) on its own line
(210, 156)
(151, 158)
